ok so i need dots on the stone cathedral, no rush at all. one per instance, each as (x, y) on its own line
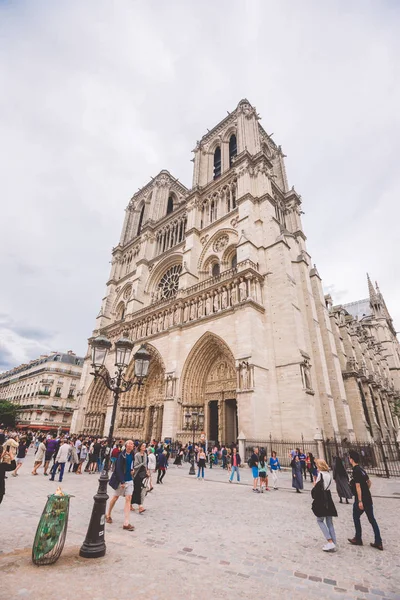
(218, 282)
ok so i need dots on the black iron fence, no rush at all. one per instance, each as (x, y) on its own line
(283, 449)
(378, 458)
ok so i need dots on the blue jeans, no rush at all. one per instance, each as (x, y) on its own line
(54, 470)
(235, 469)
(327, 528)
(202, 472)
(369, 511)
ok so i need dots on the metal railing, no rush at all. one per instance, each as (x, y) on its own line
(380, 458)
(283, 448)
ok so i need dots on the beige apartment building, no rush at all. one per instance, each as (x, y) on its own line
(218, 282)
(45, 389)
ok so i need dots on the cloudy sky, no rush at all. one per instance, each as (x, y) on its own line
(99, 95)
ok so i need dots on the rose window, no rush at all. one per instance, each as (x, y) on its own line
(168, 285)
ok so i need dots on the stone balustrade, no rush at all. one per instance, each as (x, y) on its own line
(204, 300)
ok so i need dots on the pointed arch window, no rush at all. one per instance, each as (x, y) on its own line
(217, 163)
(232, 149)
(234, 261)
(215, 269)
(170, 205)
(139, 229)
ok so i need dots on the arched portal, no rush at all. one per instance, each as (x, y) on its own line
(96, 408)
(209, 383)
(140, 411)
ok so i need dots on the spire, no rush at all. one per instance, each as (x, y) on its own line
(372, 293)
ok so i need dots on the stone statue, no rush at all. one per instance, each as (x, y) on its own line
(149, 326)
(170, 318)
(160, 322)
(233, 295)
(154, 325)
(224, 298)
(177, 315)
(242, 290)
(244, 371)
(166, 320)
(216, 302)
(200, 308)
(186, 313)
(208, 305)
(192, 310)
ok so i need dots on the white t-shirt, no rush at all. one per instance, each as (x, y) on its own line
(326, 478)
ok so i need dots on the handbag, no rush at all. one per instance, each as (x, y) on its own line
(114, 483)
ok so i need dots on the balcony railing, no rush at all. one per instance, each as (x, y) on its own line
(43, 393)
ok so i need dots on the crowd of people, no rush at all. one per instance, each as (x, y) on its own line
(134, 465)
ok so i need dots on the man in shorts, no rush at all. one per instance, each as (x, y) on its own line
(123, 474)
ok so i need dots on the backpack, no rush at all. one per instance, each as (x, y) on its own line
(250, 463)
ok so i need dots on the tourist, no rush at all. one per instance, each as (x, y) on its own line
(342, 480)
(94, 457)
(178, 458)
(236, 461)
(311, 467)
(302, 458)
(274, 466)
(21, 454)
(360, 486)
(151, 466)
(60, 460)
(297, 477)
(82, 457)
(323, 506)
(6, 464)
(211, 458)
(224, 453)
(122, 482)
(262, 472)
(140, 473)
(201, 463)
(162, 459)
(78, 444)
(73, 457)
(39, 456)
(253, 463)
(52, 446)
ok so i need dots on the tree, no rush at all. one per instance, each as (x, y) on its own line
(8, 413)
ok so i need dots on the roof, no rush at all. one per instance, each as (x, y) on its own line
(66, 358)
(359, 309)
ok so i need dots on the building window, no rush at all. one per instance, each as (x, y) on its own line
(234, 261)
(215, 269)
(169, 283)
(217, 163)
(232, 149)
(170, 205)
(139, 229)
(71, 393)
(58, 392)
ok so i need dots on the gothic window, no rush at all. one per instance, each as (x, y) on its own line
(120, 311)
(139, 229)
(232, 149)
(169, 283)
(215, 269)
(234, 261)
(217, 163)
(170, 205)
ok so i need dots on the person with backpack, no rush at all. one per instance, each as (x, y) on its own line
(360, 486)
(236, 460)
(323, 506)
(253, 464)
(262, 473)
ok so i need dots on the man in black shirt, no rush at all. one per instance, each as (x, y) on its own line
(361, 484)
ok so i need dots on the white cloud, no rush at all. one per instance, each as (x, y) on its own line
(100, 95)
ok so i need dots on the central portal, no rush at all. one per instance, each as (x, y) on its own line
(209, 383)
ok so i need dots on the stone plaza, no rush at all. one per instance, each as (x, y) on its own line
(200, 539)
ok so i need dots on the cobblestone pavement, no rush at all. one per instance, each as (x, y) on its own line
(198, 538)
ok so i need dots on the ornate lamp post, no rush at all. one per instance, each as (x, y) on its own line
(94, 545)
(194, 421)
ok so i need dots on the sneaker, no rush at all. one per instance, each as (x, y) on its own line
(377, 546)
(267, 489)
(329, 547)
(355, 542)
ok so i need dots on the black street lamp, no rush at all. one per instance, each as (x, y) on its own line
(94, 545)
(194, 421)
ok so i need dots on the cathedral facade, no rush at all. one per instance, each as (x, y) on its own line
(218, 283)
